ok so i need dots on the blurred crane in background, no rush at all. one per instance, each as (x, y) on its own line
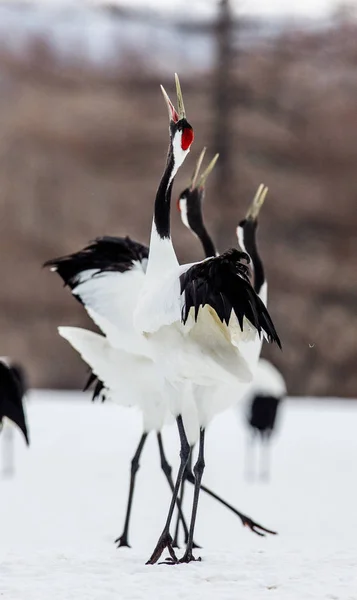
(13, 387)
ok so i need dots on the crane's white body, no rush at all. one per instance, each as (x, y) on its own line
(207, 354)
(268, 381)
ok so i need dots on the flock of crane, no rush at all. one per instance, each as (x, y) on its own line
(180, 342)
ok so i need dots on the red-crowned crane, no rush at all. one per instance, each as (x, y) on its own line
(13, 388)
(197, 319)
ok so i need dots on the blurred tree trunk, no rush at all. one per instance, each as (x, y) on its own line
(223, 113)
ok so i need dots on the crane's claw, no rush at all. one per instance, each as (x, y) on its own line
(169, 561)
(253, 526)
(165, 541)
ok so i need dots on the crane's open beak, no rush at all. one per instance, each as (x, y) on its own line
(208, 170)
(197, 169)
(257, 203)
(175, 115)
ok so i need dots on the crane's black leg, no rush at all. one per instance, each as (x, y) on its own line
(246, 521)
(265, 458)
(178, 520)
(122, 540)
(167, 469)
(198, 472)
(165, 539)
(249, 459)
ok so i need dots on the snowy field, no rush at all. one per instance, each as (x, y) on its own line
(66, 503)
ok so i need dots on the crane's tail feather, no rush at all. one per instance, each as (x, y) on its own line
(110, 365)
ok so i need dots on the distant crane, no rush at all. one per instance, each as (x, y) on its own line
(268, 387)
(13, 387)
(263, 401)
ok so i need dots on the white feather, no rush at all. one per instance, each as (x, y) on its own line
(183, 213)
(178, 153)
(204, 352)
(240, 237)
(268, 381)
(130, 380)
(109, 299)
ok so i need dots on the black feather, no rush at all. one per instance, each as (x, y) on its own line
(104, 254)
(98, 391)
(91, 379)
(12, 388)
(223, 283)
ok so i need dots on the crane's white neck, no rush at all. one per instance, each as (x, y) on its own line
(263, 293)
(183, 213)
(240, 236)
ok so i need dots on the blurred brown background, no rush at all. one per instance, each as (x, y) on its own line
(83, 143)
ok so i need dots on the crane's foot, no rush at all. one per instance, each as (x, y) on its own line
(188, 557)
(122, 542)
(165, 541)
(256, 528)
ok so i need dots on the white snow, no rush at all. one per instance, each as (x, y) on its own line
(66, 503)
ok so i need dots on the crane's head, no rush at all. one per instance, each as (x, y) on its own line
(190, 200)
(247, 227)
(181, 131)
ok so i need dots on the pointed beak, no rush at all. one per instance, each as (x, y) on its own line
(180, 104)
(175, 115)
(257, 203)
(197, 169)
(209, 169)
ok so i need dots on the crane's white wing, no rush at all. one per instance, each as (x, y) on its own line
(110, 298)
(127, 377)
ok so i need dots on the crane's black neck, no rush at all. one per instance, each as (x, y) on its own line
(163, 195)
(163, 198)
(249, 230)
(207, 243)
(194, 199)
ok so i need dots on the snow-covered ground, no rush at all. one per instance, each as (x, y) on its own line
(65, 505)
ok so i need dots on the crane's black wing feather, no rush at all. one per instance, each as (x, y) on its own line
(223, 283)
(11, 398)
(104, 254)
(99, 388)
